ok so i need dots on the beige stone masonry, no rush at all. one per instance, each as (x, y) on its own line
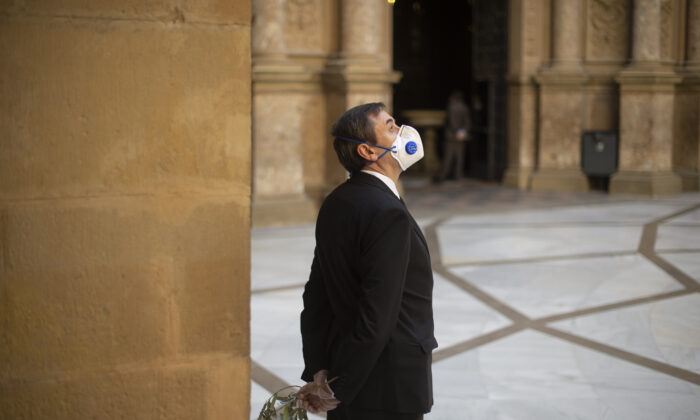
(361, 29)
(278, 95)
(216, 12)
(528, 45)
(522, 100)
(125, 209)
(566, 36)
(645, 183)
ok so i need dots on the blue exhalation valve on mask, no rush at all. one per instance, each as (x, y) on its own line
(411, 147)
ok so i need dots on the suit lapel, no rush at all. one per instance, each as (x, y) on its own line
(415, 226)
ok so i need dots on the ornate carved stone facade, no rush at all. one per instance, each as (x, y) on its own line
(573, 66)
(638, 74)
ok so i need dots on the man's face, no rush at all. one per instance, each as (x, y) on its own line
(385, 129)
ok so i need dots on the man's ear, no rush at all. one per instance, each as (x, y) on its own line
(365, 152)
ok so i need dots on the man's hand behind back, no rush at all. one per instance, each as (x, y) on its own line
(317, 396)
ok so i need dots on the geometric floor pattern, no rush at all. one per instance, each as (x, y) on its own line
(547, 306)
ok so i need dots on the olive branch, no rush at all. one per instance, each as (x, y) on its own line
(284, 404)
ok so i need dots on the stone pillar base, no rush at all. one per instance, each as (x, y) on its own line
(283, 210)
(645, 183)
(518, 178)
(690, 181)
(559, 180)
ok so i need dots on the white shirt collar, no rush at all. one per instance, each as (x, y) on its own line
(385, 179)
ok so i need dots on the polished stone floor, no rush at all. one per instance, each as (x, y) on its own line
(547, 305)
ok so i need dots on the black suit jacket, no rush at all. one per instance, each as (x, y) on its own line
(368, 314)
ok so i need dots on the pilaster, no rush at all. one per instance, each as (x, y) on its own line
(647, 87)
(528, 43)
(278, 183)
(561, 107)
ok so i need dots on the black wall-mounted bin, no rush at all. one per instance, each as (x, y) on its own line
(599, 152)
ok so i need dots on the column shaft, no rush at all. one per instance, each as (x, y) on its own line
(361, 27)
(566, 34)
(268, 28)
(646, 31)
(279, 101)
(561, 103)
(526, 49)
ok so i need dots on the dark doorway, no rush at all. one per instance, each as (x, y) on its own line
(447, 45)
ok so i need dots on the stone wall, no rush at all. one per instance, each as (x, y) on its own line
(124, 209)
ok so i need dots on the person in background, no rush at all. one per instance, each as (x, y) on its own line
(458, 125)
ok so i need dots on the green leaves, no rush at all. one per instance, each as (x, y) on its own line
(282, 405)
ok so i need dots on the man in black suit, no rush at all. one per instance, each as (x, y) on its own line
(368, 317)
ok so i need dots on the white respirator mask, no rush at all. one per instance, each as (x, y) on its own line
(407, 148)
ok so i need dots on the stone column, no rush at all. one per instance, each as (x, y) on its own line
(363, 58)
(566, 39)
(268, 29)
(527, 46)
(361, 25)
(279, 195)
(361, 71)
(646, 111)
(561, 89)
(646, 32)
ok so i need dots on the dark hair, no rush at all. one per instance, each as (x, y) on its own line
(355, 124)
